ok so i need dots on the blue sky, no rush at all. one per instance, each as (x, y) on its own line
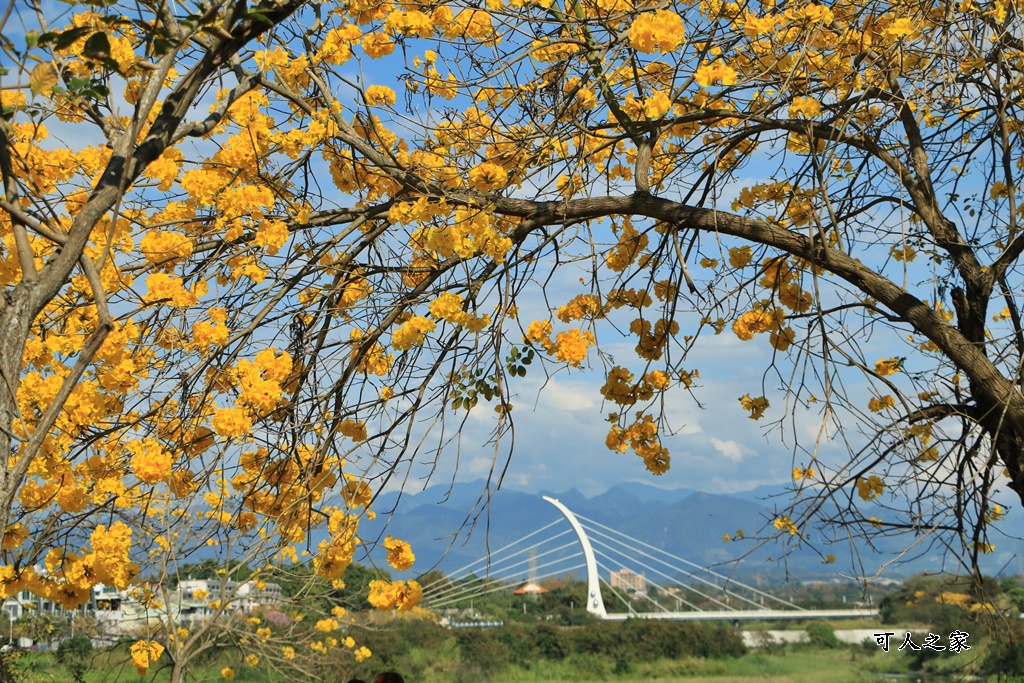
(560, 429)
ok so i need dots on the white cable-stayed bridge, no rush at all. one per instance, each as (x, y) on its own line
(626, 578)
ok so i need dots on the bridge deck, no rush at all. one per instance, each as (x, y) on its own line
(731, 615)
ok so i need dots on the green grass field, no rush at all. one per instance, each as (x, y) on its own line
(800, 665)
(804, 666)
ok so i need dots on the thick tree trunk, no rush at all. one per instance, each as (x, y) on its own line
(15, 320)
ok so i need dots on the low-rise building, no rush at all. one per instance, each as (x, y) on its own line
(628, 580)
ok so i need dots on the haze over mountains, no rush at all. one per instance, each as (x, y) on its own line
(452, 527)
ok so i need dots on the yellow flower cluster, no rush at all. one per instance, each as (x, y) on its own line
(899, 28)
(631, 243)
(652, 339)
(686, 377)
(956, 599)
(878, 404)
(380, 95)
(231, 422)
(377, 45)
(472, 231)
(572, 345)
(715, 72)
(539, 332)
(784, 523)
(423, 210)
(260, 380)
(412, 333)
(170, 289)
(409, 24)
(333, 557)
(471, 23)
(756, 406)
(642, 437)
(14, 535)
(165, 247)
(212, 332)
(758, 321)
(355, 492)
(888, 366)
(150, 462)
(807, 107)
(803, 473)
(619, 387)
(582, 306)
(870, 488)
(144, 654)
(336, 47)
(400, 555)
(327, 625)
(488, 177)
(659, 31)
(903, 253)
(353, 429)
(994, 514)
(108, 563)
(271, 235)
(740, 256)
(652, 108)
(399, 595)
(448, 306)
(794, 298)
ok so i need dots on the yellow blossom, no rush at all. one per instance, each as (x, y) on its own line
(659, 31)
(870, 488)
(784, 523)
(715, 72)
(144, 654)
(400, 555)
(400, 595)
(807, 107)
(756, 406)
(380, 95)
(487, 177)
(572, 346)
(412, 333)
(878, 404)
(740, 256)
(354, 429)
(231, 422)
(887, 366)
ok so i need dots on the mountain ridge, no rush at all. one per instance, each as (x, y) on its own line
(455, 525)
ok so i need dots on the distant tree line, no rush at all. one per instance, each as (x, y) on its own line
(601, 647)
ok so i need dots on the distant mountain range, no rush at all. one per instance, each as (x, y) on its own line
(453, 527)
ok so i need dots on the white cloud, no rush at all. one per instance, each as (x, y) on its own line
(571, 396)
(732, 450)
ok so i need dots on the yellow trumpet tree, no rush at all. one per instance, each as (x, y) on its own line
(252, 252)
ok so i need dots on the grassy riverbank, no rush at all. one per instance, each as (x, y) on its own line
(804, 666)
(620, 652)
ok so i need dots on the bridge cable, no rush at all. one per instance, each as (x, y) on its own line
(727, 579)
(597, 541)
(467, 587)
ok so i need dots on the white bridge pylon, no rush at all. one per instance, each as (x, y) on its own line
(595, 603)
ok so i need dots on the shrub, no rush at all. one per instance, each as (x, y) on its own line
(75, 647)
(822, 635)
